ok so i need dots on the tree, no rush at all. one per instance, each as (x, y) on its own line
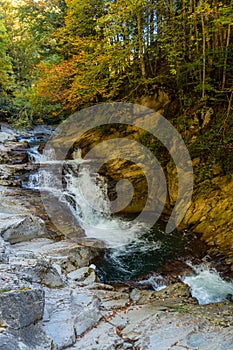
(74, 53)
(6, 80)
(30, 26)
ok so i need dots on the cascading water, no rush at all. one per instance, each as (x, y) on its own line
(207, 286)
(97, 220)
(131, 250)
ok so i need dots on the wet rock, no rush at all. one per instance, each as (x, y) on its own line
(16, 228)
(21, 314)
(210, 215)
(229, 297)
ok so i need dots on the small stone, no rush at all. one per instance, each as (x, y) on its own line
(85, 274)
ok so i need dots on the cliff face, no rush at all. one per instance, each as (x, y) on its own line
(210, 209)
(210, 214)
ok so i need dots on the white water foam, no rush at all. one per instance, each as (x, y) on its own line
(36, 157)
(96, 217)
(207, 286)
(157, 282)
(92, 210)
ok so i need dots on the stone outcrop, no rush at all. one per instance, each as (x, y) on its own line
(157, 320)
(15, 228)
(57, 303)
(13, 152)
(209, 213)
(66, 255)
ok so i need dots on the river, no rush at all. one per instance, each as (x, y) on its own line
(131, 250)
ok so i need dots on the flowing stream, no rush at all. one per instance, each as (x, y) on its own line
(131, 250)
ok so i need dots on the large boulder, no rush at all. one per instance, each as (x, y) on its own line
(16, 228)
(69, 314)
(21, 313)
(42, 272)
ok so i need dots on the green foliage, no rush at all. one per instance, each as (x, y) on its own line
(6, 79)
(31, 27)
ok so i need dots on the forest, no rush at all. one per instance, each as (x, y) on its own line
(59, 56)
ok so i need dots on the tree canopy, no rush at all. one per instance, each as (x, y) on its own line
(69, 54)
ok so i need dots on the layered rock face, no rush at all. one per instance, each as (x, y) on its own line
(210, 215)
(13, 159)
(38, 277)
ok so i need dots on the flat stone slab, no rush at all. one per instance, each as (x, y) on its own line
(69, 313)
(67, 254)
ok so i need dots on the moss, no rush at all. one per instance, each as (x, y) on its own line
(23, 289)
(5, 290)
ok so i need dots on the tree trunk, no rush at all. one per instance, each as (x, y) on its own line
(140, 44)
(225, 58)
(203, 54)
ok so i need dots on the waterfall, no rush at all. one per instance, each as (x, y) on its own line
(92, 211)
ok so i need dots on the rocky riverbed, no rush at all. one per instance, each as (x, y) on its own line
(51, 297)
